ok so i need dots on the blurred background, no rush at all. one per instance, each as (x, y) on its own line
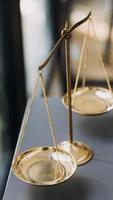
(28, 31)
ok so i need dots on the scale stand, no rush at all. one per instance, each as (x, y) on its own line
(80, 151)
(50, 165)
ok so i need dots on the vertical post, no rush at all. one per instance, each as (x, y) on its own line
(68, 80)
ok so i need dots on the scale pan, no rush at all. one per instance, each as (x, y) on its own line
(44, 166)
(81, 152)
(90, 100)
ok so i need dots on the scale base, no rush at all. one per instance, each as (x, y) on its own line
(81, 152)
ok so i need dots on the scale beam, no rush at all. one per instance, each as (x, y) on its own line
(42, 66)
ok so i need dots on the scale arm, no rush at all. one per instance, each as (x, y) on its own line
(66, 33)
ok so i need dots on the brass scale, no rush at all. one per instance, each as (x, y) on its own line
(47, 166)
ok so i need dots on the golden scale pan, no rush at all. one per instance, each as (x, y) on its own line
(46, 166)
(90, 100)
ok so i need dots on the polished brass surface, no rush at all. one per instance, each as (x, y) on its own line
(66, 34)
(90, 100)
(47, 166)
(68, 81)
(44, 166)
(81, 152)
(43, 65)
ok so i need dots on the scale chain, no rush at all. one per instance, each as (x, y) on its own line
(50, 122)
(80, 61)
(81, 57)
(48, 110)
(99, 54)
(25, 119)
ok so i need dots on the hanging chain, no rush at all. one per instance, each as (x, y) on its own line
(48, 109)
(80, 61)
(86, 58)
(25, 119)
(81, 57)
(84, 70)
(100, 57)
(57, 167)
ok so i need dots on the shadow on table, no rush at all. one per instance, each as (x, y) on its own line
(80, 188)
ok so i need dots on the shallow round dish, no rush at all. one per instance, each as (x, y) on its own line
(90, 100)
(81, 152)
(44, 166)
